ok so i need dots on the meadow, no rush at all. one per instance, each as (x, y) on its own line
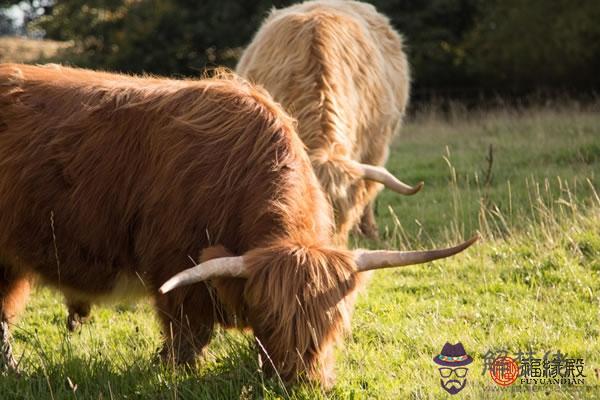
(528, 180)
(23, 50)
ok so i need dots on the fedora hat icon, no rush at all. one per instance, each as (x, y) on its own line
(453, 355)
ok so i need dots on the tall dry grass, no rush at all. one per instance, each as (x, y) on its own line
(24, 50)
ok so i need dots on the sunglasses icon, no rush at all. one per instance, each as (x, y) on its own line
(447, 372)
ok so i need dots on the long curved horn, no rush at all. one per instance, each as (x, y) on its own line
(374, 259)
(382, 175)
(230, 267)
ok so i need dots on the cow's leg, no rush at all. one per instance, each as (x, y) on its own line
(14, 292)
(188, 316)
(367, 224)
(8, 361)
(79, 312)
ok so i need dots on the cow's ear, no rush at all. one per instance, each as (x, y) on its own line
(208, 253)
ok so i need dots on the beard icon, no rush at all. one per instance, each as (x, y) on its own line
(453, 386)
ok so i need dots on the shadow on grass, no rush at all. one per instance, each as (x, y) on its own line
(233, 373)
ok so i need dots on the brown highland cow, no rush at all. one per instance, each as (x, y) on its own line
(338, 67)
(112, 184)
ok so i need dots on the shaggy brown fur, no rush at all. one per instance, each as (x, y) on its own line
(111, 184)
(339, 68)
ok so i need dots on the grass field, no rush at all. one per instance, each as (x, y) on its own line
(23, 50)
(532, 282)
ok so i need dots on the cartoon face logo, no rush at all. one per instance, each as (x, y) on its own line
(452, 361)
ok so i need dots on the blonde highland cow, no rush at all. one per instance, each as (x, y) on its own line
(338, 67)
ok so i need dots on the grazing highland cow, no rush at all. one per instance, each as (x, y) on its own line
(111, 184)
(338, 67)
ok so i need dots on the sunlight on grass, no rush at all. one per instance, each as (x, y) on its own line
(533, 281)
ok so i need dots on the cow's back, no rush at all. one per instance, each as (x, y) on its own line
(103, 173)
(339, 68)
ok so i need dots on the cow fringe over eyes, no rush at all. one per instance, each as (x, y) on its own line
(311, 294)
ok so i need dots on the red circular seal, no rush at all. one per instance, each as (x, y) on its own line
(504, 371)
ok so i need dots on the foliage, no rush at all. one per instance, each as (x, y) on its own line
(6, 26)
(434, 31)
(159, 36)
(457, 48)
(537, 43)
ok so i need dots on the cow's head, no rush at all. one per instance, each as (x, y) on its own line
(338, 172)
(298, 299)
(351, 185)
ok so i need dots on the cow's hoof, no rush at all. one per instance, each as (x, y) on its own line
(8, 364)
(74, 321)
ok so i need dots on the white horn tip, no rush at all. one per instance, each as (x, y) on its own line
(167, 286)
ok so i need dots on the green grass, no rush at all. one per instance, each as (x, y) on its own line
(534, 281)
(537, 155)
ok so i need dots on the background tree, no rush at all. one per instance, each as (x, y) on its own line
(457, 48)
(158, 36)
(538, 44)
(434, 31)
(6, 25)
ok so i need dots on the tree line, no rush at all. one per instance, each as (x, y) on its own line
(455, 47)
